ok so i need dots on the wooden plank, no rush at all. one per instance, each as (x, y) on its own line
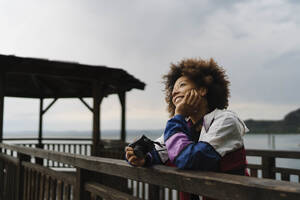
(143, 190)
(273, 153)
(1, 178)
(122, 98)
(67, 192)
(2, 94)
(170, 197)
(268, 164)
(81, 177)
(24, 184)
(93, 197)
(153, 192)
(53, 188)
(47, 187)
(59, 194)
(52, 173)
(29, 184)
(287, 170)
(49, 139)
(254, 166)
(37, 185)
(137, 189)
(42, 187)
(285, 176)
(9, 159)
(253, 172)
(32, 188)
(106, 192)
(97, 98)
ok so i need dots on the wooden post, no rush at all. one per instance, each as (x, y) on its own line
(81, 178)
(20, 174)
(97, 98)
(41, 121)
(40, 145)
(2, 167)
(2, 94)
(154, 192)
(268, 164)
(122, 97)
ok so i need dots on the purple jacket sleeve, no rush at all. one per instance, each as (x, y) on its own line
(185, 153)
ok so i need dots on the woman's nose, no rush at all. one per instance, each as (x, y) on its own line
(174, 92)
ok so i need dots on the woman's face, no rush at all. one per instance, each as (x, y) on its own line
(181, 87)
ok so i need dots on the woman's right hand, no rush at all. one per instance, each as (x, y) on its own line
(189, 104)
(132, 159)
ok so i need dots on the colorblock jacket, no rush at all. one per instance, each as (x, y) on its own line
(219, 148)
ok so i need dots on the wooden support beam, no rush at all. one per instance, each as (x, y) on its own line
(122, 98)
(81, 177)
(21, 174)
(268, 165)
(97, 98)
(2, 94)
(86, 104)
(49, 106)
(40, 144)
(107, 192)
(41, 120)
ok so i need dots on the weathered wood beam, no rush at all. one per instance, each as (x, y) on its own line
(36, 83)
(40, 137)
(86, 104)
(107, 192)
(41, 121)
(49, 106)
(273, 153)
(2, 94)
(122, 98)
(70, 179)
(97, 98)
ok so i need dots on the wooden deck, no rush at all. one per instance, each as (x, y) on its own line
(95, 177)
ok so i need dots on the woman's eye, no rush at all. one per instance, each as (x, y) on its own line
(182, 84)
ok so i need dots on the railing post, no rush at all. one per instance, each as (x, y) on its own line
(268, 165)
(154, 192)
(20, 175)
(1, 179)
(39, 161)
(81, 177)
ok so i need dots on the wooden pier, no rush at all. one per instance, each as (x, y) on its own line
(106, 178)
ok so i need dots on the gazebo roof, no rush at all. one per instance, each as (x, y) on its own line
(42, 78)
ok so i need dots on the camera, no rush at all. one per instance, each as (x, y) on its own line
(142, 146)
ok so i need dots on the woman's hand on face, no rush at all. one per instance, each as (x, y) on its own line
(190, 104)
(132, 159)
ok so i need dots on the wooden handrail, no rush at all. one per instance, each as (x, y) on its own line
(273, 153)
(62, 139)
(214, 185)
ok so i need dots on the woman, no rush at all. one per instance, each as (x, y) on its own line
(201, 134)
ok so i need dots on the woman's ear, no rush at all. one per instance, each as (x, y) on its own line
(202, 91)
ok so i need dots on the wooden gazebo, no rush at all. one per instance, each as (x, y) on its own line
(42, 78)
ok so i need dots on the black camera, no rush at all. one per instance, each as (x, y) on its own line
(142, 146)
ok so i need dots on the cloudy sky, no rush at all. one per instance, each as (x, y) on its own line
(256, 41)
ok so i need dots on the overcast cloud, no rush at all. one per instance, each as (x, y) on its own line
(257, 42)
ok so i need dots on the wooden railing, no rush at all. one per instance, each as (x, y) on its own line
(80, 146)
(104, 177)
(269, 166)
